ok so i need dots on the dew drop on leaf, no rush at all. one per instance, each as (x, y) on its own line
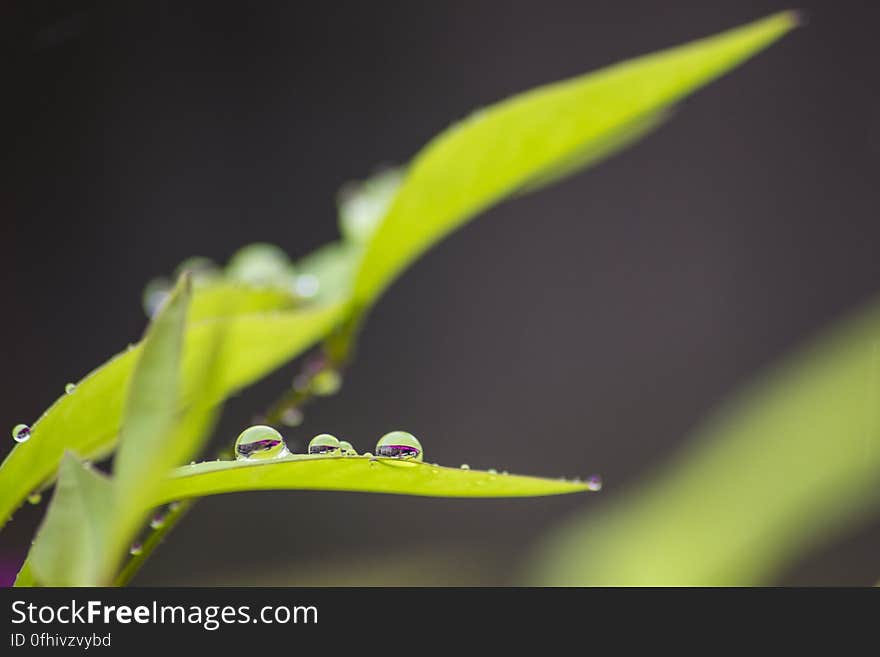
(155, 294)
(492, 471)
(325, 444)
(259, 442)
(347, 449)
(326, 382)
(594, 482)
(21, 433)
(69, 388)
(465, 466)
(399, 445)
(136, 549)
(35, 498)
(158, 521)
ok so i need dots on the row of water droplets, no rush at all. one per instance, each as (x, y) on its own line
(262, 442)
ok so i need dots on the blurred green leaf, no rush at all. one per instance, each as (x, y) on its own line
(71, 545)
(352, 473)
(221, 298)
(151, 408)
(88, 420)
(543, 132)
(783, 467)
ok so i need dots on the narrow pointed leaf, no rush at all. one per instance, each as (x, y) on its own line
(499, 150)
(353, 473)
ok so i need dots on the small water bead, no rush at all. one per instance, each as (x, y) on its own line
(492, 471)
(326, 382)
(400, 445)
(306, 285)
(260, 264)
(292, 417)
(35, 498)
(158, 521)
(69, 388)
(136, 549)
(21, 433)
(324, 444)
(346, 448)
(465, 466)
(173, 507)
(594, 482)
(259, 442)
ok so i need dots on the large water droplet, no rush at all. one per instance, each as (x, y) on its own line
(326, 382)
(260, 264)
(69, 388)
(259, 442)
(346, 448)
(35, 498)
(21, 433)
(325, 444)
(136, 548)
(292, 417)
(594, 482)
(400, 445)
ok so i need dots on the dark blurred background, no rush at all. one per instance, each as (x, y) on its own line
(583, 329)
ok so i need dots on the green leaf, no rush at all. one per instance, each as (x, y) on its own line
(503, 148)
(353, 473)
(88, 420)
(783, 467)
(220, 298)
(70, 546)
(151, 408)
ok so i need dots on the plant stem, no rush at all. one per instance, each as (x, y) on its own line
(175, 515)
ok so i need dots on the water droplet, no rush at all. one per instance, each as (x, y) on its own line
(260, 264)
(465, 466)
(492, 471)
(368, 454)
(259, 442)
(399, 445)
(35, 498)
(155, 294)
(158, 521)
(292, 417)
(173, 507)
(69, 388)
(324, 444)
(594, 482)
(136, 549)
(327, 382)
(347, 449)
(306, 285)
(21, 433)
(505, 472)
